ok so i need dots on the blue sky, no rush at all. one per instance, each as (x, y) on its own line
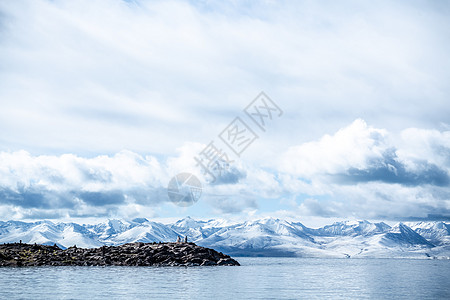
(104, 101)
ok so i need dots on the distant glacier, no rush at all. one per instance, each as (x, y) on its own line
(263, 237)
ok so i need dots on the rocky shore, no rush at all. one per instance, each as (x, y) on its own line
(132, 254)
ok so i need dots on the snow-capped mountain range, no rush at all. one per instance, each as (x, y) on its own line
(264, 237)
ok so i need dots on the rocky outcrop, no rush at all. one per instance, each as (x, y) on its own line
(132, 254)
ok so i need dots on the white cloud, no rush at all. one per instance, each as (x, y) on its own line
(124, 183)
(125, 170)
(351, 146)
(56, 186)
(358, 171)
(365, 172)
(97, 77)
(423, 144)
(359, 146)
(92, 78)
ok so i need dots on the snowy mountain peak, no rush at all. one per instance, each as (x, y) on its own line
(188, 222)
(429, 225)
(437, 233)
(401, 233)
(353, 228)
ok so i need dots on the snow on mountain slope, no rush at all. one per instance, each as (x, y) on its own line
(352, 228)
(437, 233)
(261, 237)
(188, 222)
(111, 232)
(399, 241)
(109, 228)
(74, 234)
(264, 237)
(404, 235)
(197, 230)
(45, 232)
(39, 232)
(115, 232)
(143, 233)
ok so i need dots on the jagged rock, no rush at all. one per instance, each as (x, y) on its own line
(132, 254)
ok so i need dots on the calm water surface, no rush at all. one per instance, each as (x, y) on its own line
(257, 278)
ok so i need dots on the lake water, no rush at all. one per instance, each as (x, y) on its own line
(257, 278)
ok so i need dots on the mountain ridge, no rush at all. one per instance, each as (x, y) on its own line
(262, 237)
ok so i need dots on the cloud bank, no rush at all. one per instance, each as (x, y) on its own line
(366, 171)
(359, 171)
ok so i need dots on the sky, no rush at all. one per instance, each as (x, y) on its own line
(104, 102)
